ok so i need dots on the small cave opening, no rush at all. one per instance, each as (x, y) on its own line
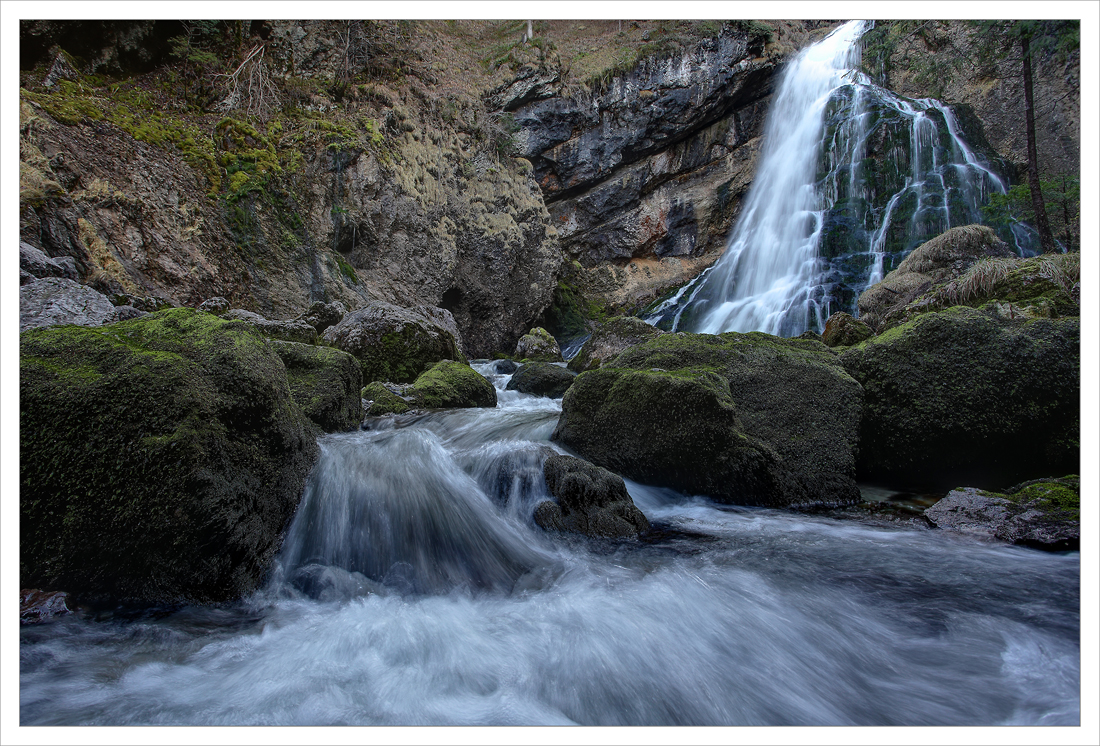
(452, 299)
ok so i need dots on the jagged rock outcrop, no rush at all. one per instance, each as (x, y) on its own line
(589, 500)
(35, 264)
(743, 418)
(967, 396)
(160, 458)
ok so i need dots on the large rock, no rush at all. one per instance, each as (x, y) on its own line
(611, 338)
(965, 396)
(394, 343)
(325, 383)
(1044, 513)
(541, 379)
(453, 384)
(590, 500)
(34, 263)
(943, 258)
(322, 315)
(294, 330)
(540, 346)
(842, 330)
(160, 458)
(55, 301)
(743, 418)
(382, 400)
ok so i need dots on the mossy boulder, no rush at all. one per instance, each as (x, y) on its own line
(590, 500)
(160, 458)
(382, 400)
(1041, 513)
(743, 418)
(538, 345)
(452, 384)
(325, 383)
(611, 338)
(842, 330)
(541, 379)
(394, 343)
(966, 396)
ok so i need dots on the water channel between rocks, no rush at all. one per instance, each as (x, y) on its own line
(414, 589)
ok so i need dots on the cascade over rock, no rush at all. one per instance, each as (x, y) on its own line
(160, 458)
(747, 419)
(968, 396)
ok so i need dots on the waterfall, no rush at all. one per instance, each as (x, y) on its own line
(852, 178)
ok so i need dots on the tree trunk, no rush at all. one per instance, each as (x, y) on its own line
(1046, 239)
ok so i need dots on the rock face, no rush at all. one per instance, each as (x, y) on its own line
(56, 300)
(393, 343)
(934, 262)
(541, 379)
(452, 384)
(964, 395)
(540, 346)
(33, 263)
(289, 331)
(173, 437)
(611, 338)
(743, 418)
(325, 383)
(1042, 513)
(841, 330)
(590, 500)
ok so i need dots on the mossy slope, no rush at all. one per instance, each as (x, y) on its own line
(160, 458)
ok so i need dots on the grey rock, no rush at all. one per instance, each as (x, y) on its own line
(1006, 517)
(56, 300)
(291, 331)
(538, 345)
(611, 338)
(323, 315)
(542, 379)
(217, 305)
(505, 366)
(36, 607)
(36, 263)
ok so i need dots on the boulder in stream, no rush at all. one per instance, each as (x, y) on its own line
(160, 458)
(452, 384)
(743, 418)
(590, 500)
(538, 345)
(382, 400)
(325, 383)
(611, 338)
(541, 379)
(965, 396)
(394, 343)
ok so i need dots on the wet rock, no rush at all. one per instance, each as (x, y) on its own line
(590, 500)
(538, 345)
(743, 418)
(290, 331)
(217, 305)
(1042, 513)
(37, 264)
(55, 300)
(842, 330)
(453, 384)
(324, 382)
(611, 338)
(382, 400)
(541, 379)
(965, 396)
(394, 343)
(505, 366)
(37, 606)
(160, 458)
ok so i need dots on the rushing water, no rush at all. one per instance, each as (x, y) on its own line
(414, 588)
(851, 179)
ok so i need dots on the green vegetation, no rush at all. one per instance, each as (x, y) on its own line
(1062, 200)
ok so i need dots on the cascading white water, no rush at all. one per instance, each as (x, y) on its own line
(825, 215)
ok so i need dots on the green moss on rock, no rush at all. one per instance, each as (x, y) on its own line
(743, 418)
(965, 396)
(160, 458)
(325, 383)
(383, 401)
(541, 379)
(453, 384)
